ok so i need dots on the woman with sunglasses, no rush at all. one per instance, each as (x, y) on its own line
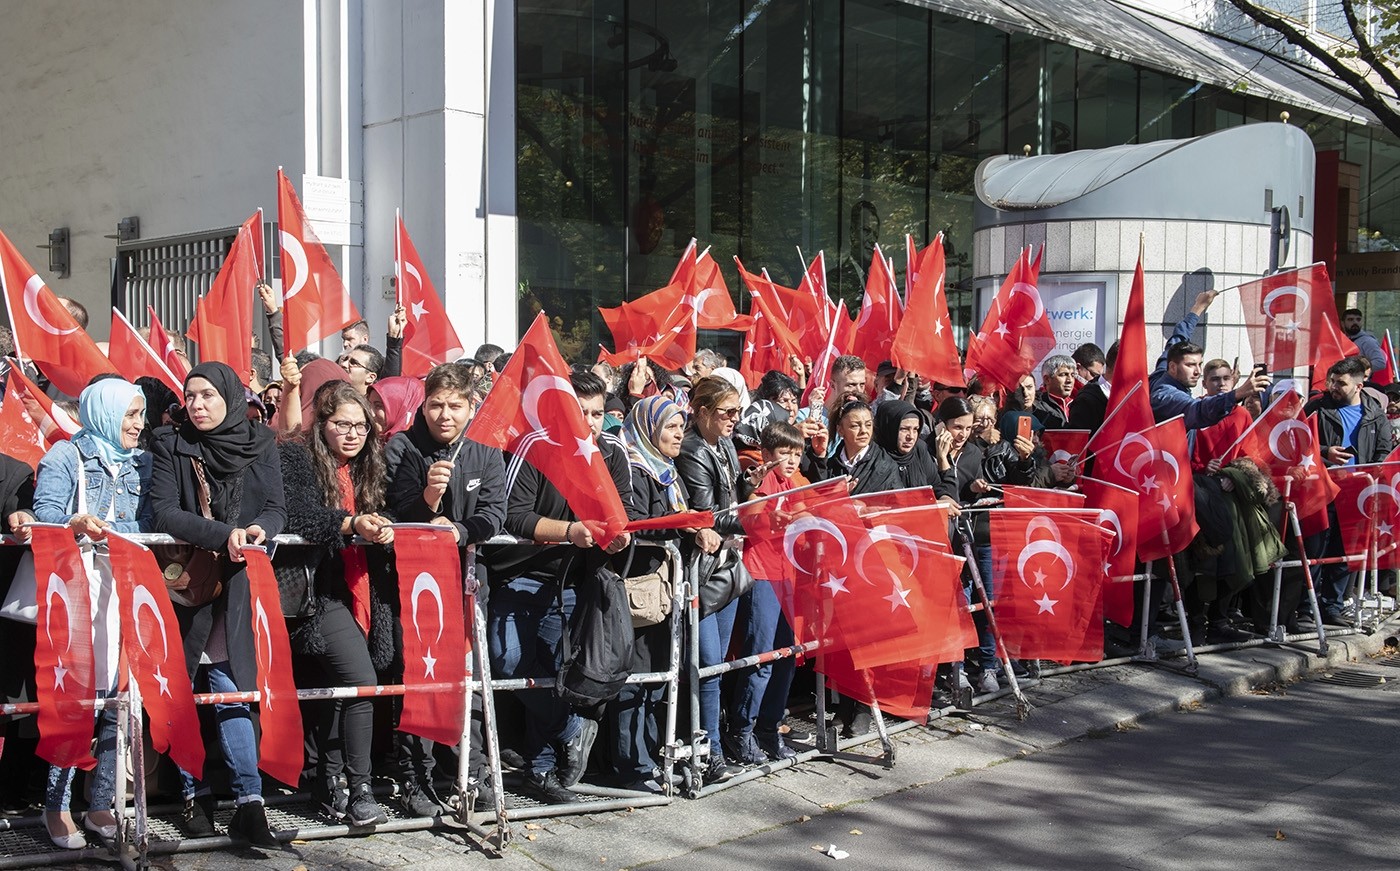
(709, 468)
(335, 478)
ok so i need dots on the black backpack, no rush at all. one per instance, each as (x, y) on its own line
(596, 649)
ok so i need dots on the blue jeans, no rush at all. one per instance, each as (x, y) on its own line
(1331, 581)
(714, 644)
(986, 641)
(524, 628)
(760, 694)
(637, 711)
(104, 776)
(236, 736)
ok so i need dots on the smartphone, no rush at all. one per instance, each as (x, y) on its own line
(1260, 369)
(1023, 426)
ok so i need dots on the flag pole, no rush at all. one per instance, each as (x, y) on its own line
(1023, 706)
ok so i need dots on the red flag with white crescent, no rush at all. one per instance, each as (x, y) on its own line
(1118, 513)
(63, 667)
(44, 331)
(1016, 334)
(315, 303)
(532, 412)
(18, 431)
(1283, 442)
(223, 318)
(161, 343)
(435, 636)
(924, 343)
(134, 357)
(1049, 601)
(428, 337)
(55, 424)
(156, 653)
(1065, 446)
(281, 745)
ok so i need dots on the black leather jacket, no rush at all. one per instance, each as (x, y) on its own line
(710, 476)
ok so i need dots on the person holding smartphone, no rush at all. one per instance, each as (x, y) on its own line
(1352, 429)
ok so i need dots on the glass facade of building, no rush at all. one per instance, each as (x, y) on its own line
(768, 127)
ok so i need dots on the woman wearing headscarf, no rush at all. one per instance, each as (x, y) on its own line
(898, 425)
(653, 432)
(871, 469)
(233, 462)
(395, 401)
(96, 482)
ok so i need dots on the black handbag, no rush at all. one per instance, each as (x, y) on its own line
(718, 578)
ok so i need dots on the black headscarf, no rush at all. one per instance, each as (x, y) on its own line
(236, 442)
(916, 467)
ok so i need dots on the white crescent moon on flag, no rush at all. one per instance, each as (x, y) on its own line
(1267, 304)
(1152, 454)
(1038, 524)
(1130, 438)
(885, 532)
(1373, 490)
(1049, 548)
(1110, 517)
(54, 587)
(1276, 434)
(265, 637)
(426, 583)
(1030, 291)
(141, 598)
(418, 279)
(35, 312)
(530, 401)
(292, 245)
(810, 524)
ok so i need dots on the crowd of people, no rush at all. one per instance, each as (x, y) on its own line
(337, 452)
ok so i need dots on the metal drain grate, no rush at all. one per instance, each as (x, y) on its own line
(1387, 661)
(1352, 678)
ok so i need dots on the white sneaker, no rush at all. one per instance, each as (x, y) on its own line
(963, 682)
(1166, 645)
(988, 683)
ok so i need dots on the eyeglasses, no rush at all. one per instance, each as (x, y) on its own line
(352, 363)
(345, 427)
(727, 413)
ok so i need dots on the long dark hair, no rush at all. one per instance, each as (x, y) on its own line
(367, 470)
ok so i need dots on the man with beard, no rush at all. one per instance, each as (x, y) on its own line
(1366, 343)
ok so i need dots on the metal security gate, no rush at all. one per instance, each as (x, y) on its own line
(170, 275)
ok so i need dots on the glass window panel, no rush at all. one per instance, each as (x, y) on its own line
(1107, 100)
(1058, 131)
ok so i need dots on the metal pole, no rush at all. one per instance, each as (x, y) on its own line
(699, 740)
(1145, 649)
(1180, 611)
(678, 602)
(1276, 630)
(1023, 706)
(1307, 577)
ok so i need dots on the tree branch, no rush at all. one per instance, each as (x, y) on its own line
(1366, 93)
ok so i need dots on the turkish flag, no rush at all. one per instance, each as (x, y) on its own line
(813, 285)
(44, 331)
(223, 319)
(18, 431)
(822, 366)
(703, 287)
(155, 653)
(165, 349)
(1017, 496)
(778, 525)
(55, 425)
(1368, 507)
(428, 337)
(281, 745)
(1129, 408)
(435, 645)
(136, 359)
(1283, 442)
(924, 342)
(880, 315)
(659, 326)
(1386, 376)
(1016, 334)
(1065, 445)
(767, 302)
(1118, 513)
(1049, 604)
(1291, 319)
(799, 311)
(1220, 441)
(532, 412)
(902, 689)
(63, 658)
(315, 304)
(930, 520)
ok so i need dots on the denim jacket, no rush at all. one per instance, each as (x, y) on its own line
(55, 491)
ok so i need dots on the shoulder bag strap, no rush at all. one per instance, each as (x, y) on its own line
(201, 489)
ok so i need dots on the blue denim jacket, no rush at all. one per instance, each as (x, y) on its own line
(55, 491)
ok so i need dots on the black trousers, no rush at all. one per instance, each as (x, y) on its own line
(343, 728)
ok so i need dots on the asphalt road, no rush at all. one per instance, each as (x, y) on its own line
(1299, 777)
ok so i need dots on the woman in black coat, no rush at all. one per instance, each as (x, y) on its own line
(237, 459)
(870, 468)
(897, 426)
(335, 488)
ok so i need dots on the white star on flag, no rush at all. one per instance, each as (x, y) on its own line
(418, 310)
(586, 449)
(1001, 329)
(163, 681)
(1384, 529)
(1039, 577)
(1046, 604)
(429, 663)
(266, 700)
(938, 328)
(835, 585)
(59, 674)
(1307, 462)
(1149, 483)
(898, 598)
(749, 348)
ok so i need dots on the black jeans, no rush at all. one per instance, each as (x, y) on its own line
(343, 728)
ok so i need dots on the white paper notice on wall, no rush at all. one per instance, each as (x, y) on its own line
(327, 204)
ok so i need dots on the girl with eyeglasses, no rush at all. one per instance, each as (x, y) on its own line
(335, 478)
